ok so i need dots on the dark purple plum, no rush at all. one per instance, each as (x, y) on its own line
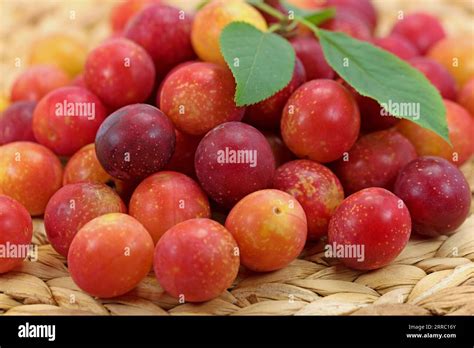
(233, 160)
(135, 142)
(436, 194)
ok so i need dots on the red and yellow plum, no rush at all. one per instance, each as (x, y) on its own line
(72, 207)
(320, 121)
(373, 221)
(166, 199)
(200, 96)
(270, 229)
(30, 174)
(196, 260)
(67, 119)
(110, 255)
(316, 188)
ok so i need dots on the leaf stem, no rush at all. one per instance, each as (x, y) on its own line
(308, 24)
(267, 9)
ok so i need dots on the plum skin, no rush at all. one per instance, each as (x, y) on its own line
(310, 52)
(37, 81)
(461, 48)
(196, 260)
(438, 75)
(166, 199)
(16, 228)
(84, 166)
(185, 97)
(428, 143)
(374, 161)
(66, 133)
(135, 142)
(227, 183)
(315, 187)
(120, 72)
(267, 113)
(270, 228)
(421, 29)
(29, 173)
(16, 122)
(213, 18)
(320, 121)
(110, 255)
(436, 193)
(466, 96)
(374, 219)
(165, 33)
(62, 220)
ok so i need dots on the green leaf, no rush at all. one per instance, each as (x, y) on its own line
(320, 17)
(262, 62)
(380, 75)
(314, 17)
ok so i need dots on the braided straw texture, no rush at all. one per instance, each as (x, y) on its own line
(430, 277)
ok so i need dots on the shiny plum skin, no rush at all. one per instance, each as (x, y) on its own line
(270, 228)
(67, 119)
(362, 8)
(466, 96)
(196, 260)
(459, 50)
(30, 174)
(120, 73)
(316, 188)
(373, 219)
(320, 121)
(217, 163)
(436, 193)
(186, 100)
(16, 122)
(72, 207)
(65, 51)
(213, 18)
(374, 161)
(267, 113)
(165, 33)
(398, 45)
(166, 199)
(428, 143)
(37, 81)
(438, 76)
(279, 149)
(125, 10)
(110, 255)
(309, 51)
(16, 229)
(135, 142)
(84, 166)
(421, 29)
(372, 116)
(183, 157)
(347, 22)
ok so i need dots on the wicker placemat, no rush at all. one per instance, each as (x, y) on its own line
(430, 277)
